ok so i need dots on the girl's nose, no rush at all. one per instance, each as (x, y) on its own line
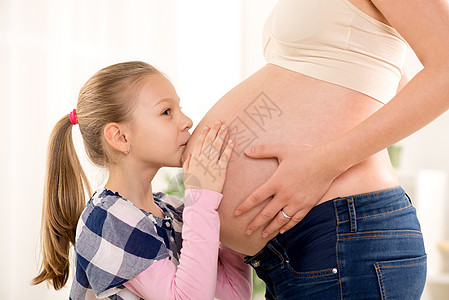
(187, 123)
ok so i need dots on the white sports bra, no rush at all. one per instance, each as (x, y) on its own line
(334, 41)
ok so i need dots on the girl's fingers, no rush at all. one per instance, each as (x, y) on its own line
(186, 164)
(217, 144)
(210, 138)
(198, 148)
(226, 155)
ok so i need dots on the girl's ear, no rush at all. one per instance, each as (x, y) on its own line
(114, 134)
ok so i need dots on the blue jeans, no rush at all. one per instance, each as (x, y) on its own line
(366, 246)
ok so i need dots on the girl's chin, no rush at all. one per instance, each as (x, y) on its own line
(179, 163)
(175, 164)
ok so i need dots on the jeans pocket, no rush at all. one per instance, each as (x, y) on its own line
(402, 279)
(320, 284)
(326, 273)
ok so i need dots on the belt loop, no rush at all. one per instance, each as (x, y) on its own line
(352, 214)
(273, 245)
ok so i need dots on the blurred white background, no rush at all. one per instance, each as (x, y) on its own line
(49, 48)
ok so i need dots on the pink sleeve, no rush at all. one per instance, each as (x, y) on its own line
(196, 275)
(234, 278)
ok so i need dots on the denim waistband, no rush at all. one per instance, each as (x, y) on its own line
(343, 210)
(370, 204)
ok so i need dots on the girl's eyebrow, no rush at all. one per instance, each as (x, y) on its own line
(168, 100)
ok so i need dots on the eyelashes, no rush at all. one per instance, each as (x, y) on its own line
(167, 112)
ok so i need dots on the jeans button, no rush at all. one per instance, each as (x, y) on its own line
(255, 264)
(334, 271)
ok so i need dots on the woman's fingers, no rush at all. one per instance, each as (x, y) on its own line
(292, 223)
(283, 221)
(279, 221)
(265, 151)
(300, 181)
(279, 217)
(266, 215)
(258, 196)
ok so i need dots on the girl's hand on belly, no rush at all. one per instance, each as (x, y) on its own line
(303, 176)
(206, 167)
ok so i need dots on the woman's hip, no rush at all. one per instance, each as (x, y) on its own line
(363, 246)
(373, 174)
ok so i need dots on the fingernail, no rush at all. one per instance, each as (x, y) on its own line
(223, 127)
(230, 141)
(282, 231)
(249, 150)
(206, 128)
(237, 213)
(249, 231)
(217, 122)
(264, 235)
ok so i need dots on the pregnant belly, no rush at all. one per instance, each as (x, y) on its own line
(276, 105)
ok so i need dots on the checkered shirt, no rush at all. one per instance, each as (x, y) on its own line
(116, 241)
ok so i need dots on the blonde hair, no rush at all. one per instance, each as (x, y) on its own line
(108, 96)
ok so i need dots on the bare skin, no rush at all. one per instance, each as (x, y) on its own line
(308, 111)
(348, 131)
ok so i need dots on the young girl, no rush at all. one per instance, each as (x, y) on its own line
(128, 240)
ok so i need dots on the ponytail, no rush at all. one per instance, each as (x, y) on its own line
(108, 96)
(64, 201)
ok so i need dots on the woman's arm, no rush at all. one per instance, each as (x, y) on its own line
(403, 82)
(306, 172)
(425, 26)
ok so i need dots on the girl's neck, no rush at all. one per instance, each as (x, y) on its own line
(135, 186)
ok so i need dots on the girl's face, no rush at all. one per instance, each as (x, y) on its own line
(159, 129)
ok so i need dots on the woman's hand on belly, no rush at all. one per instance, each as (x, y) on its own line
(302, 179)
(300, 110)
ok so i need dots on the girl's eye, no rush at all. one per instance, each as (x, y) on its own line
(166, 112)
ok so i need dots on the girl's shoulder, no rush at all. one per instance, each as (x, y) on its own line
(104, 202)
(105, 199)
(169, 199)
(108, 213)
(170, 202)
(115, 241)
(172, 207)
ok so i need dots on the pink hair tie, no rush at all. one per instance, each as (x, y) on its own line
(73, 118)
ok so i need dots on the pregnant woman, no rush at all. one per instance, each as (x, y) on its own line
(325, 108)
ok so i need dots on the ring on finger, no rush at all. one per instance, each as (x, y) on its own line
(285, 215)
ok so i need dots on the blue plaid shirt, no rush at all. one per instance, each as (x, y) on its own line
(115, 241)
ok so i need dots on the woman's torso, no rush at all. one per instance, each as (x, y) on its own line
(278, 105)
